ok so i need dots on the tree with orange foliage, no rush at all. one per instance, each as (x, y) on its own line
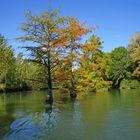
(52, 40)
(75, 31)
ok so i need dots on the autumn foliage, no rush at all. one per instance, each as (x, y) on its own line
(68, 62)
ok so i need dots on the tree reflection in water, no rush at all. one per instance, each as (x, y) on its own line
(34, 126)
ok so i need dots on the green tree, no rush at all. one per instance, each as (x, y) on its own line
(93, 70)
(28, 75)
(119, 65)
(134, 53)
(7, 61)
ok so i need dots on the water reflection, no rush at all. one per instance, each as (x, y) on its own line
(48, 107)
(37, 119)
(34, 126)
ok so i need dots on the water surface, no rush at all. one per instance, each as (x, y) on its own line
(104, 116)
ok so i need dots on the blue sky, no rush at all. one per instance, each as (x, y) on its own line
(117, 19)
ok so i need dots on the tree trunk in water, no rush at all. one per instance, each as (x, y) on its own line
(49, 82)
(50, 96)
(49, 100)
(73, 89)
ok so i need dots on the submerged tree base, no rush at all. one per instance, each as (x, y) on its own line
(73, 94)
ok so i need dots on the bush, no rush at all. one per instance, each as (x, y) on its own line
(2, 87)
(129, 84)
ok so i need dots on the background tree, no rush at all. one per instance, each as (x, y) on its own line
(93, 70)
(119, 65)
(134, 53)
(7, 61)
(28, 75)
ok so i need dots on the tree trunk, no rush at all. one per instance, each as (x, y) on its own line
(73, 88)
(50, 96)
(49, 83)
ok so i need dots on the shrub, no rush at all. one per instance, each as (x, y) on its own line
(129, 84)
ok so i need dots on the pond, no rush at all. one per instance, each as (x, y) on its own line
(111, 115)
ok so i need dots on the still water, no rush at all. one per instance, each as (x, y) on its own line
(104, 116)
